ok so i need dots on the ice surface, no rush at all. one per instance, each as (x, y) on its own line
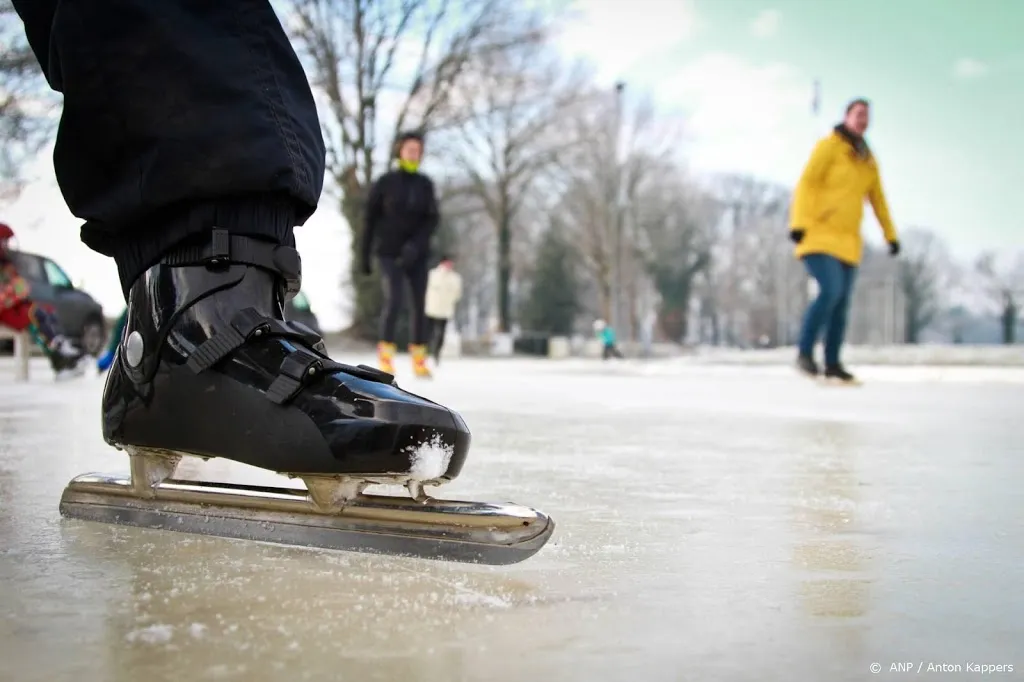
(933, 355)
(714, 523)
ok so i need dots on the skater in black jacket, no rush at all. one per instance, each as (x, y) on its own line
(401, 217)
(189, 144)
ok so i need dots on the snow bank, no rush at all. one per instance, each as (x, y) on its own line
(923, 355)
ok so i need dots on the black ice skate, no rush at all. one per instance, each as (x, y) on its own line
(65, 359)
(806, 365)
(208, 367)
(836, 374)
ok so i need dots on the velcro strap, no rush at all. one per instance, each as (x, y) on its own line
(225, 249)
(249, 324)
(298, 369)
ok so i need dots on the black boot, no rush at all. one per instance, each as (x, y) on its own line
(807, 365)
(839, 373)
(208, 367)
(65, 358)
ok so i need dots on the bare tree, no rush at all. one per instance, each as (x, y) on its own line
(925, 274)
(1004, 285)
(675, 221)
(602, 178)
(26, 104)
(380, 66)
(753, 280)
(511, 136)
(465, 224)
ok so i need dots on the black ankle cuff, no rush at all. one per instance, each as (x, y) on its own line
(267, 217)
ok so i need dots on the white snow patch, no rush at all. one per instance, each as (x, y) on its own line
(479, 599)
(220, 671)
(154, 634)
(430, 460)
(197, 630)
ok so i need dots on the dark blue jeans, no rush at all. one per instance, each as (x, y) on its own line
(829, 310)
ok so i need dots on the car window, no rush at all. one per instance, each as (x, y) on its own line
(57, 277)
(300, 301)
(29, 266)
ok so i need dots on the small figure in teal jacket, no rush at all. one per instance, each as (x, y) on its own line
(606, 333)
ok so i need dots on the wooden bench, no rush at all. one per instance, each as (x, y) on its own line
(22, 351)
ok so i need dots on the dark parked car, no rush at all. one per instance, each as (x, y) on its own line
(80, 315)
(298, 309)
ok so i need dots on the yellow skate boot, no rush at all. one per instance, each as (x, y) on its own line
(419, 361)
(386, 357)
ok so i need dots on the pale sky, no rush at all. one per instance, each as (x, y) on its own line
(944, 79)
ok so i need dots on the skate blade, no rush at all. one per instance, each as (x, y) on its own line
(448, 530)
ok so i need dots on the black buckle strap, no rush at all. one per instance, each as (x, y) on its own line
(250, 324)
(298, 369)
(225, 249)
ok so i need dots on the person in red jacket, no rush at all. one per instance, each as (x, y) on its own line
(19, 312)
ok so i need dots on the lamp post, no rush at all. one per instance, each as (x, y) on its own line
(617, 294)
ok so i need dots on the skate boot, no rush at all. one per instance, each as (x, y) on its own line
(806, 365)
(65, 359)
(837, 374)
(386, 357)
(208, 367)
(419, 361)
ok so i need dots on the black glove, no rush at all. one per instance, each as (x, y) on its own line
(367, 267)
(894, 247)
(797, 235)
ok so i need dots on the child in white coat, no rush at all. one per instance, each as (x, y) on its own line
(444, 290)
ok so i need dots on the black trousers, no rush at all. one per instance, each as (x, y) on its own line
(395, 278)
(179, 115)
(610, 350)
(437, 325)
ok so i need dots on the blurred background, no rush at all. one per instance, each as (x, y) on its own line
(630, 161)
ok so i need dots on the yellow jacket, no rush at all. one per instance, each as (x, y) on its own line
(828, 202)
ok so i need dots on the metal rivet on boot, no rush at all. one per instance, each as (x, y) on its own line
(133, 349)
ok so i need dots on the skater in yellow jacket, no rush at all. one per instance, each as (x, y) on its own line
(825, 224)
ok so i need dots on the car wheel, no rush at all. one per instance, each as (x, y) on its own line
(93, 338)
